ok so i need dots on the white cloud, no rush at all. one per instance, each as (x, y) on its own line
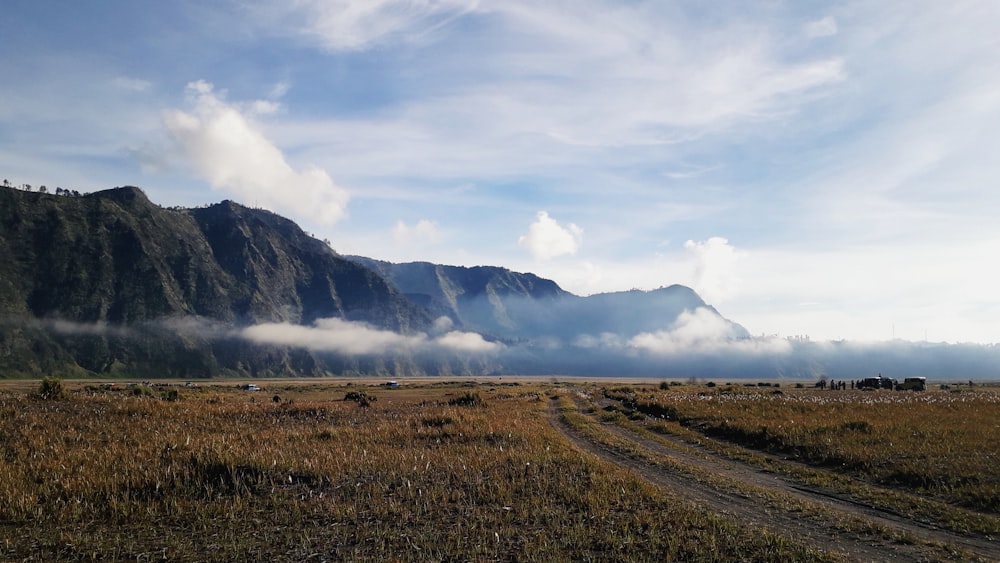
(263, 107)
(824, 27)
(466, 342)
(442, 325)
(279, 90)
(225, 147)
(131, 84)
(351, 25)
(603, 340)
(714, 268)
(351, 338)
(332, 335)
(581, 89)
(423, 232)
(872, 291)
(547, 239)
(702, 331)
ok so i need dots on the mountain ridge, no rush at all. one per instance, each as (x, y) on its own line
(111, 283)
(509, 304)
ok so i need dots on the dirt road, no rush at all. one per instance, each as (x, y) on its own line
(842, 526)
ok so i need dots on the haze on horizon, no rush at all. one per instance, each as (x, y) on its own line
(810, 169)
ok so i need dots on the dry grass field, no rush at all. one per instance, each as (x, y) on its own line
(528, 469)
(939, 443)
(428, 471)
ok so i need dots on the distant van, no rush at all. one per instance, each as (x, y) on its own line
(913, 384)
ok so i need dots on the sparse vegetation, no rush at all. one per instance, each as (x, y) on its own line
(51, 389)
(110, 475)
(360, 397)
(470, 399)
(932, 443)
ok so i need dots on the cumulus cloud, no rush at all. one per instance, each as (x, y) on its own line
(442, 325)
(547, 239)
(351, 338)
(714, 268)
(423, 231)
(223, 145)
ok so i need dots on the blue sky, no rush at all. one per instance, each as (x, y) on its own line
(811, 168)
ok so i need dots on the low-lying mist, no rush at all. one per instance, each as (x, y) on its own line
(697, 344)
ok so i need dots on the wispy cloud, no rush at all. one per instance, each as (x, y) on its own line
(579, 86)
(424, 231)
(352, 25)
(130, 83)
(823, 27)
(223, 145)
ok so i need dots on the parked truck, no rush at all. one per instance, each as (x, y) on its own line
(882, 382)
(913, 384)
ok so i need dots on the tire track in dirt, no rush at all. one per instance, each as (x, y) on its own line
(817, 526)
(706, 459)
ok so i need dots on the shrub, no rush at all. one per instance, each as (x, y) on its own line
(468, 400)
(360, 397)
(52, 389)
(664, 385)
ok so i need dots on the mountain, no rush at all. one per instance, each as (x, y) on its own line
(485, 299)
(111, 283)
(114, 256)
(515, 306)
(115, 259)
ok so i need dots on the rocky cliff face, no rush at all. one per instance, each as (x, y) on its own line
(108, 262)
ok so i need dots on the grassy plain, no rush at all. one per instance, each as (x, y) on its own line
(933, 454)
(435, 471)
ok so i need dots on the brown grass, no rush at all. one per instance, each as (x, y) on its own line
(938, 445)
(219, 474)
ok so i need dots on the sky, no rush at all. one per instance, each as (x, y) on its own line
(819, 169)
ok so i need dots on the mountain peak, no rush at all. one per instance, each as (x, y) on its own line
(126, 195)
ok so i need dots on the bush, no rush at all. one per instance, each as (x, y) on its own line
(468, 400)
(360, 397)
(52, 389)
(664, 385)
